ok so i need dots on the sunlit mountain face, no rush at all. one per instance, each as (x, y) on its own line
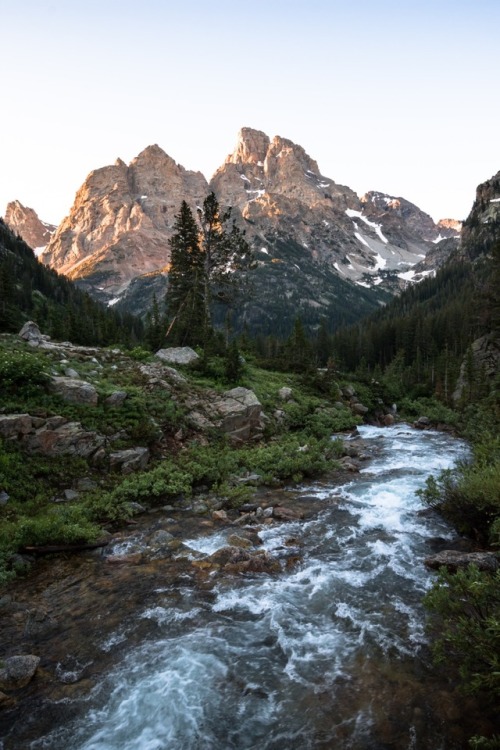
(321, 251)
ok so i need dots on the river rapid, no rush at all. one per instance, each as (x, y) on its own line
(329, 653)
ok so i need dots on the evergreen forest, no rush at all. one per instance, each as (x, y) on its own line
(421, 351)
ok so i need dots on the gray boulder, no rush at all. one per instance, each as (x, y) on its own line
(454, 560)
(285, 393)
(358, 408)
(18, 671)
(68, 438)
(116, 398)
(74, 391)
(14, 426)
(132, 459)
(31, 332)
(348, 391)
(178, 355)
(240, 414)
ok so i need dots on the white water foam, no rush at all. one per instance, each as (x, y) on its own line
(232, 672)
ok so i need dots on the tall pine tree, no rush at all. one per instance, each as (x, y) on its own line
(186, 283)
(205, 268)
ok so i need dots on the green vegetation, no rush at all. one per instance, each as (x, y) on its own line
(204, 265)
(39, 512)
(29, 290)
(466, 625)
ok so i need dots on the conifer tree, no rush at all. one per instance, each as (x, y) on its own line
(233, 366)
(186, 285)
(225, 254)
(204, 269)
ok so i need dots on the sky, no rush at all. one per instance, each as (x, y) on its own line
(401, 97)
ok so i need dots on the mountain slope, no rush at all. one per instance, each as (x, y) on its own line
(447, 328)
(120, 222)
(26, 223)
(30, 290)
(322, 252)
(279, 190)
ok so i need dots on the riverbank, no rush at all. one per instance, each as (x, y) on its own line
(84, 616)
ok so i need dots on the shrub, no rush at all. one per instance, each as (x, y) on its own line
(466, 625)
(21, 371)
(469, 496)
(430, 407)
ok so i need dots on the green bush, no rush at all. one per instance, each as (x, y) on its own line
(466, 626)
(469, 496)
(21, 372)
(61, 524)
(429, 407)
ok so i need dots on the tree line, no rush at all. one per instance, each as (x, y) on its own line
(29, 289)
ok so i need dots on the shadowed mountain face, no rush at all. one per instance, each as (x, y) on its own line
(321, 250)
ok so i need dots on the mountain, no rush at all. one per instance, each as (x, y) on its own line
(441, 336)
(322, 252)
(481, 229)
(29, 290)
(120, 222)
(280, 191)
(25, 222)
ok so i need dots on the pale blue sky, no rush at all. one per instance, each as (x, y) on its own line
(402, 97)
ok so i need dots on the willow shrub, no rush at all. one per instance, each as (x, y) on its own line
(465, 621)
(469, 496)
(22, 372)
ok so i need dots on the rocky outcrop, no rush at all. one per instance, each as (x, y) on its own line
(482, 362)
(480, 229)
(53, 436)
(25, 222)
(454, 560)
(30, 332)
(74, 390)
(132, 459)
(239, 414)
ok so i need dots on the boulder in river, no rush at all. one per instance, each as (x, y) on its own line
(17, 671)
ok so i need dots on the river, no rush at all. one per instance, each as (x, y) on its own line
(330, 653)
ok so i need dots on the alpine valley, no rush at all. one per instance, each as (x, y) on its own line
(321, 251)
(234, 551)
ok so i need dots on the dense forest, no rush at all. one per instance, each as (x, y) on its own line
(29, 289)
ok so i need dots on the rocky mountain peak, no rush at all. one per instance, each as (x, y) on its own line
(450, 224)
(121, 220)
(25, 222)
(393, 210)
(284, 152)
(477, 237)
(251, 147)
(307, 230)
